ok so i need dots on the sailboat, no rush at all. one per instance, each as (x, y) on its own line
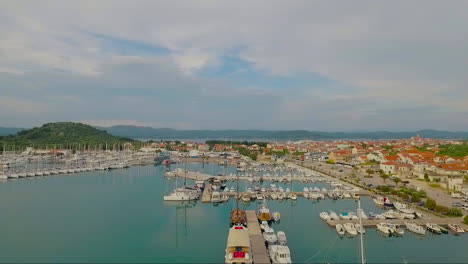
(237, 216)
(182, 194)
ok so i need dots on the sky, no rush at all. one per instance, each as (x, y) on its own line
(276, 65)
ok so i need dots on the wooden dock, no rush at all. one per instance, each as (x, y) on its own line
(206, 196)
(259, 250)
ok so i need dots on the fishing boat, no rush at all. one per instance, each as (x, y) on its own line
(383, 227)
(270, 236)
(282, 238)
(456, 228)
(350, 229)
(263, 213)
(279, 254)
(433, 228)
(238, 248)
(340, 229)
(417, 229)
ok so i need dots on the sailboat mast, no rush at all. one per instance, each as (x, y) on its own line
(185, 171)
(237, 192)
(360, 223)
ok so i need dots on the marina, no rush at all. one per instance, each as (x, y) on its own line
(133, 202)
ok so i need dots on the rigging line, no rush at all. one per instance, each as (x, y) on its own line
(318, 252)
(330, 246)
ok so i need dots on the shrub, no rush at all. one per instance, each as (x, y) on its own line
(465, 219)
(442, 209)
(430, 204)
(405, 196)
(415, 199)
(455, 212)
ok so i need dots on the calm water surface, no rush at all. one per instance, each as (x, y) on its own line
(120, 216)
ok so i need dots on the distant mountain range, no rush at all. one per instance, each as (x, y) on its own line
(168, 133)
(138, 132)
(5, 131)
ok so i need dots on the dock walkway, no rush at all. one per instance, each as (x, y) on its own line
(259, 250)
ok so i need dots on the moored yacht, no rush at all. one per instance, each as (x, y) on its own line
(325, 216)
(434, 228)
(350, 229)
(383, 227)
(270, 236)
(340, 229)
(238, 248)
(181, 195)
(456, 228)
(263, 213)
(279, 254)
(415, 228)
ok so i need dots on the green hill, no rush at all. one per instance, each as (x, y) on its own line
(63, 133)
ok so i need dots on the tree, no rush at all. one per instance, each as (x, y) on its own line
(465, 219)
(431, 204)
(369, 172)
(396, 180)
(426, 176)
(384, 176)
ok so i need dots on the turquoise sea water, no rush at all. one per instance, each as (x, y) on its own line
(120, 216)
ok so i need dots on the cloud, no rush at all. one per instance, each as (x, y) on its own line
(313, 65)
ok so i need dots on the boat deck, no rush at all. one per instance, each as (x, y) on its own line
(259, 250)
(206, 196)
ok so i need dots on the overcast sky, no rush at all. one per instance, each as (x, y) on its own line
(316, 65)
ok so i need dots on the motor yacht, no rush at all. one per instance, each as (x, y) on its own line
(281, 238)
(276, 216)
(383, 227)
(434, 228)
(279, 254)
(456, 228)
(238, 248)
(325, 216)
(270, 236)
(340, 229)
(415, 228)
(359, 228)
(350, 229)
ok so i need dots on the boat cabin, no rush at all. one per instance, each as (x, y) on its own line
(238, 246)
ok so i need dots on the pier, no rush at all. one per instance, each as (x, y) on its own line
(259, 250)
